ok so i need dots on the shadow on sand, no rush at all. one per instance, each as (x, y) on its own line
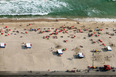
(104, 50)
(23, 47)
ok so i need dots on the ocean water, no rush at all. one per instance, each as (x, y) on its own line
(58, 8)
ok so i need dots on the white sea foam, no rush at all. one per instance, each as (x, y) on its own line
(96, 19)
(76, 19)
(30, 7)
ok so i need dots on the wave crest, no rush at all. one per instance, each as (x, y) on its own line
(30, 7)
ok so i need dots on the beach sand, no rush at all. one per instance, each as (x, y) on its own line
(41, 56)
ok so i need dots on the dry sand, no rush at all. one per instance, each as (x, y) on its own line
(41, 56)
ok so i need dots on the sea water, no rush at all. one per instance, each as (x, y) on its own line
(58, 8)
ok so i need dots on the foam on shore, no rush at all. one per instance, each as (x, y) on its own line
(96, 19)
(63, 19)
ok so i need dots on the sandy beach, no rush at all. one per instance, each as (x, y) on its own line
(42, 57)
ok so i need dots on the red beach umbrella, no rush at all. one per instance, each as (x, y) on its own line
(62, 26)
(8, 34)
(5, 44)
(66, 40)
(65, 31)
(103, 44)
(41, 32)
(79, 30)
(48, 30)
(9, 29)
(2, 33)
(74, 36)
(60, 31)
(6, 27)
(55, 30)
(65, 49)
(72, 26)
(31, 44)
(26, 32)
(89, 66)
(49, 34)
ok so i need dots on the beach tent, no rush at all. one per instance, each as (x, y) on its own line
(2, 45)
(28, 45)
(108, 48)
(80, 55)
(60, 51)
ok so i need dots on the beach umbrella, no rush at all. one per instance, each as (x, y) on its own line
(65, 49)
(65, 31)
(41, 32)
(93, 67)
(79, 30)
(100, 40)
(55, 30)
(2, 33)
(46, 36)
(1, 30)
(66, 40)
(6, 27)
(29, 24)
(103, 44)
(5, 44)
(60, 31)
(9, 29)
(48, 30)
(89, 66)
(31, 44)
(63, 26)
(49, 34)
(72, 26)
(8, 34)
(59, 55)
(26, 32)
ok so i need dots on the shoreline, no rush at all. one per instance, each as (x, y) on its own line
(57, 19)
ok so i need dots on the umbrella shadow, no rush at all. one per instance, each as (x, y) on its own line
(23, 47)
(75, 56)
(54, 53)
(104, 50)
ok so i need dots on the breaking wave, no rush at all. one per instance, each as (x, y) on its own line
(30, 7)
